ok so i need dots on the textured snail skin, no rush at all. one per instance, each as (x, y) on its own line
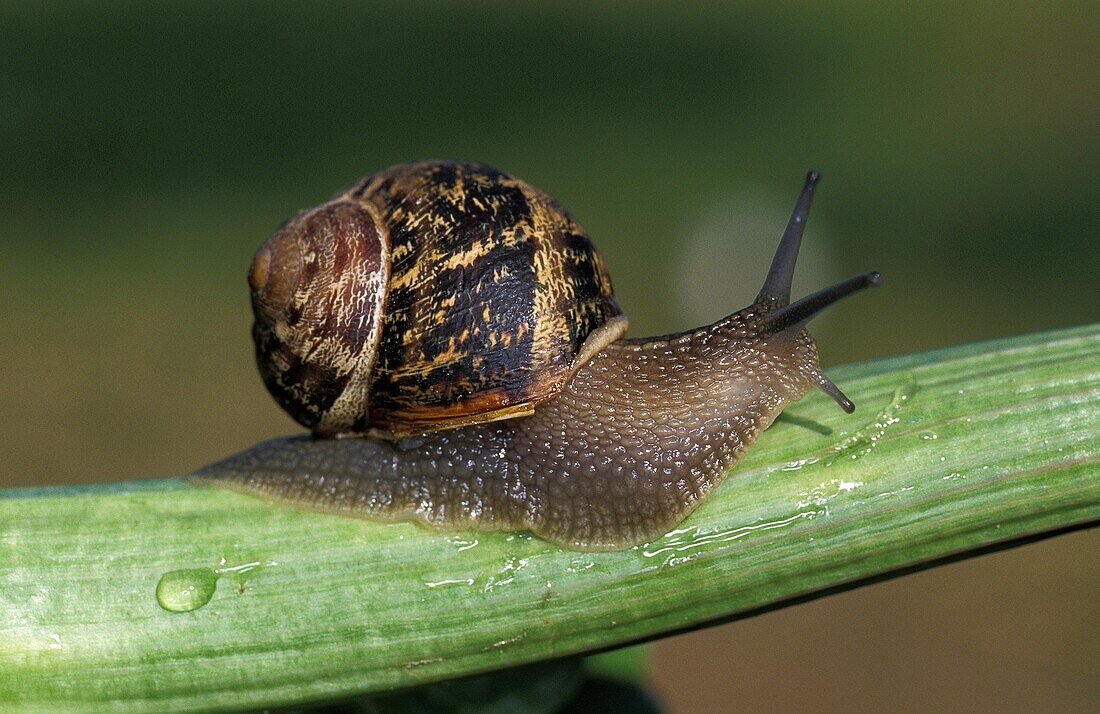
(637, 439)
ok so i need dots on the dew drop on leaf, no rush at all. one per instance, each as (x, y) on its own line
(186, 590)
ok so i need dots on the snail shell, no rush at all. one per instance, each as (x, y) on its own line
(427, 296)
(615, 440)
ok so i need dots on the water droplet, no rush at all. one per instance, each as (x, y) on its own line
(578, 564)
(798, 464)
(463, 544)
(863, 442)
(239, 569)
(704, 539)
(189, 589)
(929, 435)
(186, 590)
(450, 581)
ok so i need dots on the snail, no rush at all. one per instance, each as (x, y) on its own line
(449, 335)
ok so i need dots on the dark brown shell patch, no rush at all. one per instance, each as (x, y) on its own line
(493, 288)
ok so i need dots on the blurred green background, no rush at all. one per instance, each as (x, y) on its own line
(148, 149)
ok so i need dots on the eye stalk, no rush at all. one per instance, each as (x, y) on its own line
(797, 314)
(776, 291)
(774, 299)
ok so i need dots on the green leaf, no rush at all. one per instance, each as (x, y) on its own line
(951, 452)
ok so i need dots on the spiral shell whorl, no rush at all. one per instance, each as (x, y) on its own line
(318, 285)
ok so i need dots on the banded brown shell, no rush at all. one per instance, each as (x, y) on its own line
(427, 296)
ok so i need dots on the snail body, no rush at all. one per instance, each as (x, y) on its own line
(622, 440)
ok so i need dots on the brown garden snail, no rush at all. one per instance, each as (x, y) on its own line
(457, 328)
